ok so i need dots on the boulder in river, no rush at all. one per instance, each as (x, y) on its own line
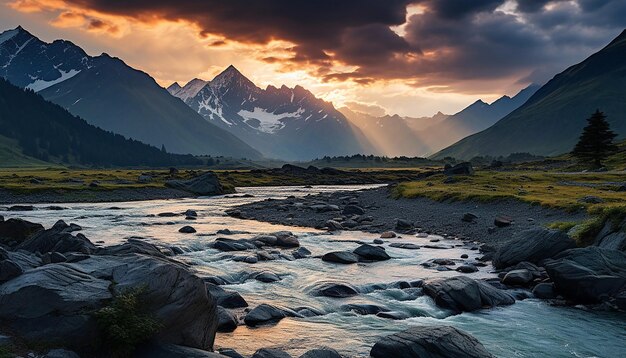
(388, 235)
(544, 290)
(270, 353)
(321, 353)
(518, 277)
(301, 253)
(264, 313)
(364, 309)
(205, 184)
(333, 225)
(467, 268)
(57, 239)
(404, 245)
(267, 277)
(463, 294)
(9, 270)
(187, 229)
(371, 253)
(430, 342)
(341, 257)
(286, 239)
(588, 275)
(534, 245)
(15, 231)
(337, 290)
(227, 322)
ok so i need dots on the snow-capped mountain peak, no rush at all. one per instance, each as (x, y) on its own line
(231, 77)
(289, 123)
(28, 62)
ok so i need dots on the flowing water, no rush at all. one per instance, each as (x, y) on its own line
(529, 328)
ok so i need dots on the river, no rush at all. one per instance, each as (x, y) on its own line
(529, 328)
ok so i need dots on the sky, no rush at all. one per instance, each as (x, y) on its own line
(407, 57)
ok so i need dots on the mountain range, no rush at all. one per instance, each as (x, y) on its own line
(108, 93)
(551, 121)
(395, 135)
(286, 123)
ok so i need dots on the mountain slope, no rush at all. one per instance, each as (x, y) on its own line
(36, 128)
(476, 117)
(397, 136)
(551, 121)
(111, 95)
(391, 136)
(285, 123)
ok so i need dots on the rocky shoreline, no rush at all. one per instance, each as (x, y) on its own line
(375, 211)
(91, 196)
(203, 185)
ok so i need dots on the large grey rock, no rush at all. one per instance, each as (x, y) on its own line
(227, 322)
(226, 299)
(371, 253)
(133, 245)
(337, 290)
(588, 275)
(177, 298)
(57, 239)
(321, 353)
(517, 277)
(341, 257)
(271, 353)
(286, 239)
(14, 231)
(9, 270)
(26, 260)
(173, 351)
(264, 313)
(430, 342)
(544, 290)
(205, 184)
(52, 303)
(533, 245)
(463, 294)
(611, 237)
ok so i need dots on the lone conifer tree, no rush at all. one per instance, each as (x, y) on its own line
(596, 142)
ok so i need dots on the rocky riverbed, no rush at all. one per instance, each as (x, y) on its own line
(212, 281)
(374, 210)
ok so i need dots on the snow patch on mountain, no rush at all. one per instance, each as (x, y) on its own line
(265, 121)
(39, 85)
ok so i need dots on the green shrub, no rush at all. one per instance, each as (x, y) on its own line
(564, 226)
(124, 325)
(586, 233)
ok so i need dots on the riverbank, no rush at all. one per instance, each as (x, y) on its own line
(377, 211)
(90, 196)
(110, 185)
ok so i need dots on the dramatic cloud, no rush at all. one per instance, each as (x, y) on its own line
(483, 47)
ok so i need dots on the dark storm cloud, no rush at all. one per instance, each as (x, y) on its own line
(455, 9)
(447, 41)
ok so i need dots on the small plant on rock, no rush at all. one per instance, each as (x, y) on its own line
(124, 325)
